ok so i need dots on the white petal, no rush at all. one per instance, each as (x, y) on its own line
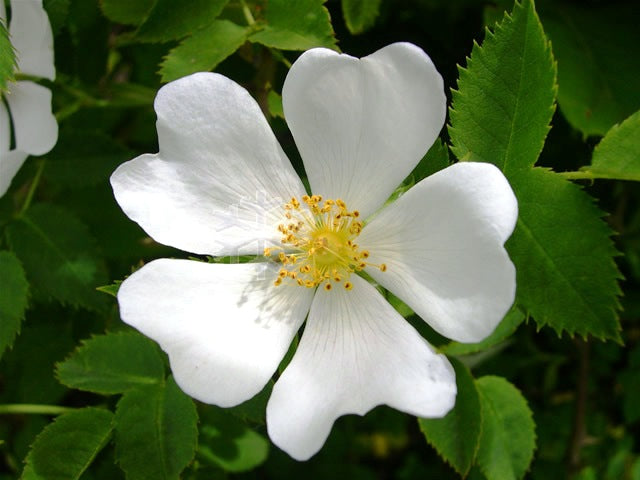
(442, 243)
(225, 326)
(220, 180)
(356, 353)
(32, 38)
(10, 163)
(35, 127)
(362, 125)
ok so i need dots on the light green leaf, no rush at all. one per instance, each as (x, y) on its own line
(598, 84)
(228, 443)
(66, 447)
(156, 432)
(298, 25)
(203, 50)
(14, 291)
(112, 363)
(618, 153)
(7, 58)
(359, 15)
(59, 256)
(111, 289)
(505, 97)
(566, 274)
(171, 20)
(505, 329)
(508, 436)
(127, 11)
(274, 101)
(456, 436)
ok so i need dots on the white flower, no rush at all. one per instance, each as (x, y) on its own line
(221, 185)
(35, 129)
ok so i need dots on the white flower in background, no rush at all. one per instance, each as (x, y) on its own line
(221, 185)
(27, 105)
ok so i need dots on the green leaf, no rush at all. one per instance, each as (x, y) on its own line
(436, 159)
(298, 25)
(126, 11)
(66, 447)
(274, 102)
(156, 432)
(508, 436)
(203, 50)
(7, 58)
(112, 363)
(14, 291)
(505, 329)
(456, 435)
(618, 153)
(111, 289)
(597, 82)
(228, 443)
(359, 15)
(563, 253)
(505, 97)
(171, 20)
(57, 10)
(59, 256)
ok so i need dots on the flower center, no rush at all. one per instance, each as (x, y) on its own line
(318, 244)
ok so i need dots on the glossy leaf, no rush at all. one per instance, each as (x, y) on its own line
(112, 363)
(14, 291)
(505, 97)
(59, 256)
(156, 432)
(564, 256)
(456, 436)
(66, 447)
(203, 50)
(296, 25)
(508, 436)
(618, 153)
(359, 15)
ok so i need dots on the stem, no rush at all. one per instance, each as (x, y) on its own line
(580, 175)
(579, 427)
(32, 409)
(247, 13)
(32, 187)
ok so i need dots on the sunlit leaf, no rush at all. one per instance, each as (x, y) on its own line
(296, 25)
(508, 436)
(7, 58)
(112, 363)
(13, 298)
(359, 15)
(456, 436)
(203, 50)
(66, 447)
(618, 153)
(156, 432)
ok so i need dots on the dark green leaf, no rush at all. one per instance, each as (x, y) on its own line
(14, 291)
(505, 329)
(57, 11)
(113, 363)
(58, 255)
(296, 25)
(456, 436)
(156, 432)
(566, 274)
(436, 158)
(597, 82)
(508, 436)
(203, 50)
(228, 443)
(618, 153)
(171, 20)
(127, 11)
(359, 15)
(505, 96)
(66, 447)
(7, 58)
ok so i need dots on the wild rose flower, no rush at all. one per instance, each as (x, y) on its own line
(221, 185)
(35, 129)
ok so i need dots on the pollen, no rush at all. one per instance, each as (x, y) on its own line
(317, 244)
